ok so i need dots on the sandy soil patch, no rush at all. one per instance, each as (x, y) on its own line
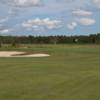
(21, 54)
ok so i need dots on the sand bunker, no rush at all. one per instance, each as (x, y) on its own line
(21, 54)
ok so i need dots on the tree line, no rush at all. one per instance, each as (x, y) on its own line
(82, 39)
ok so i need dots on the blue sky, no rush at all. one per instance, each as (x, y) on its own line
(49, 17)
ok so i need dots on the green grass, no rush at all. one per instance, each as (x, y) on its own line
(72, 72)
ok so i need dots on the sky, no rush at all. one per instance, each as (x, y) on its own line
(49, 17)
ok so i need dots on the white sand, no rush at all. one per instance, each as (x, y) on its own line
(17, 54)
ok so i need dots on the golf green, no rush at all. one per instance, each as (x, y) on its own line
(72, 72)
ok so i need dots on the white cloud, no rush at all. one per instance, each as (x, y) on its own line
(80, 12)
(72, 25)
(27, 2)
(3, 19)
(86, 21)
(96, 3)
(22, 3)
(4, 30)
(42, 23)
(67, 10)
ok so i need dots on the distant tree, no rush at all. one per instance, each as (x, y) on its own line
(0, 44)
(82, 39)
(14, 44)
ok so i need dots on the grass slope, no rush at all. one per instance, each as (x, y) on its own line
(72, 72)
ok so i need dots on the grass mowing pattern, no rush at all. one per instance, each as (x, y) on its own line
(72, 72)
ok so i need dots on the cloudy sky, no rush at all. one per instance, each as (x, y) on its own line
(49, 17)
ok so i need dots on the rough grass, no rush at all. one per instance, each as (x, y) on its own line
(72, 72)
